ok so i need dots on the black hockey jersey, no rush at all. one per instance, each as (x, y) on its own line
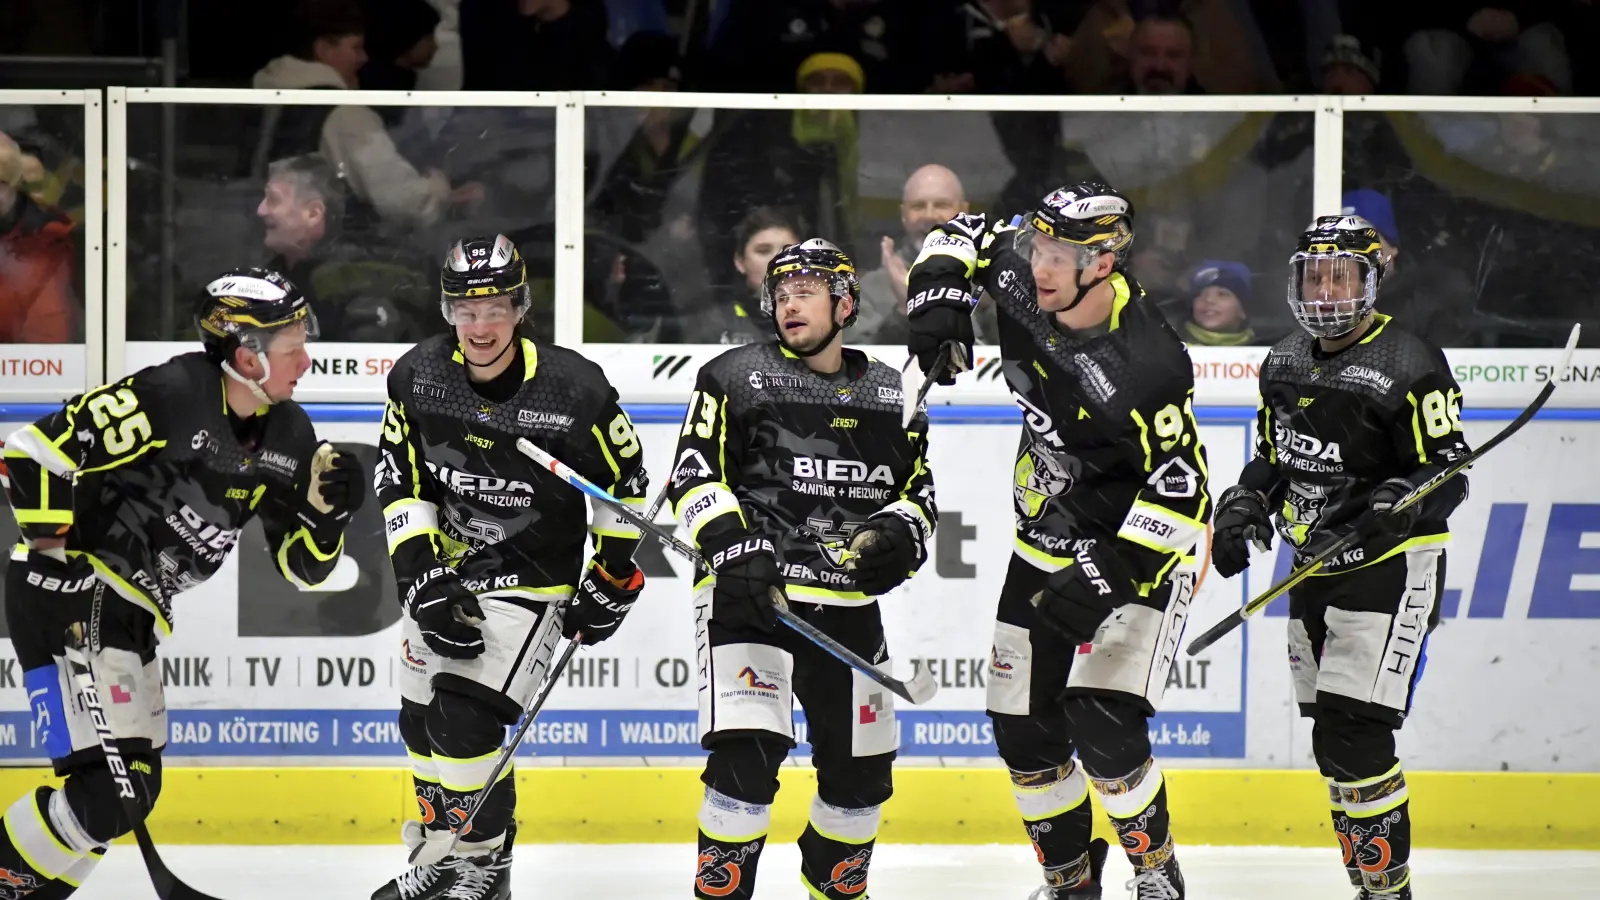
(1331, 427)
(147, 481)
(1110, 446)
(801, 458)
(456, 491)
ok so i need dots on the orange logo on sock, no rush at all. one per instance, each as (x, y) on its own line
(849, 877)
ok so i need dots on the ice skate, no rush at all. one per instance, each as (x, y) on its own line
(1163, 883)
(1098, 849)
(482, 875)
(1402, 894)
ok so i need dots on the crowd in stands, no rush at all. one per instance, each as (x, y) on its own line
(1489, 218)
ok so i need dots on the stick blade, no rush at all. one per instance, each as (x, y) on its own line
(912, 379)
(922, 686)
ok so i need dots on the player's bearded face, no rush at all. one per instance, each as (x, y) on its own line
(287, 359)
(804, 311)
(484, 327)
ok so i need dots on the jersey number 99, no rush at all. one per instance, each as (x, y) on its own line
(623, 437)
(120, 405)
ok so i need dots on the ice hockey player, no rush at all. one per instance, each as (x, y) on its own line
(128, 495)
(488, 549)
(794, 475)
(1355, 413)
(1110, 493)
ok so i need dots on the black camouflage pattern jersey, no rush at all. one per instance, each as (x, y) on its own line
(147, 480)
(1110, 446)
(456, 491)
(1333, 427)
(800, 458)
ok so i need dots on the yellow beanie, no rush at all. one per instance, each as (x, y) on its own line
(817, 62)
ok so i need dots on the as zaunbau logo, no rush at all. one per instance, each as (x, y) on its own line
(751, 679)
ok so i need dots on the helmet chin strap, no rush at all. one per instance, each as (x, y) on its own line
(822, 344)
(255, 387)
(1083, 291)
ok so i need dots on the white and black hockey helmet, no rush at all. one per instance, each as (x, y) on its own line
(815, 257)
(1334, 275)
(482, 267)
(246, 308)
(1082, 221)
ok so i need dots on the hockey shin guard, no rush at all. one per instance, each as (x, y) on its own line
(43, 844)
(1341, 829)
(424, 772)
(732, 835)
(1379, 811)
(836, 849)
(1055, 810)
(68, 884)
(1137, 805)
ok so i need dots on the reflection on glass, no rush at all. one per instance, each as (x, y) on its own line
(41, 224)
(685, 206)
(1490, 219)
(358, 208)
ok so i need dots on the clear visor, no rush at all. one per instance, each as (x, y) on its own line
(290, 336)
(803, 285)
(1331, 294)
(1043, 251)
(496, 310)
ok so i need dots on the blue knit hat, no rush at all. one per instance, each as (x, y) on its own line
(1234, 276)
(1376, 208)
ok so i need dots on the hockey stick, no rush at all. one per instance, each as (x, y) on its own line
(915, 383)
(529, 713)
(79, 650)
(1237, 617)
(917, 690)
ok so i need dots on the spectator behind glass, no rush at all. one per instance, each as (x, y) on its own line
(399, 43)
(1215, 316)
(1433, 301)
(534, 45)
(37, 302)
(358, 296)
(1349, 67)
(735, 317)
(806, 159)
(761, 42)
(1472, 47)
(932, 196)
(997, 46)
(1162, 57)
(330, 56)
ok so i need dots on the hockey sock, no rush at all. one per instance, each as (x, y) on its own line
(42, 843)
(836, 849)
(67, 884)
(1341, 829)
(1137, 806)
(430, 796)
(1055, 810)
(732, 835)
(1380, 829)
(461, 779)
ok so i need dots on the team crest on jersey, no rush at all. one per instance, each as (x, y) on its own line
(832, 540)
(1039, 477)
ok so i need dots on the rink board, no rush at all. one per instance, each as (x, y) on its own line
(315, 805)
(270, 673)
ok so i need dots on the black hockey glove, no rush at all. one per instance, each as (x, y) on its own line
(1077, 599)
(337, 486)
(447, 613)
(602, 602)
(1241, 520)
(69, 580)
(888, 549)
(940, 300)
(747, 579)
(1383, 500)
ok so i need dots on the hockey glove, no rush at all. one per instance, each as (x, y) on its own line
(447, 613)
(888, 549)
(337, 484)
(602, 602)
(748, 581)
(1383, 500)
(1077, 599)
(939, 295)
(1241, 519)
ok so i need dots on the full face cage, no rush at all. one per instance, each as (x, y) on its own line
(1323, 290)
